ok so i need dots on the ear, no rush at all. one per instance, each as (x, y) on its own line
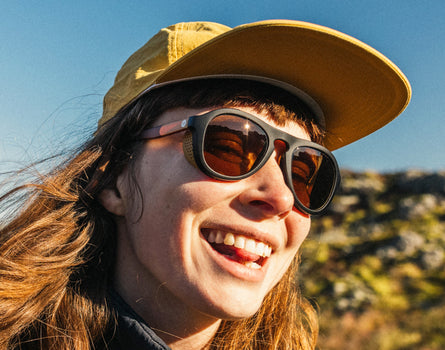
(112, 200)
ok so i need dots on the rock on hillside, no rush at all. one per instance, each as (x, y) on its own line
(381, 247)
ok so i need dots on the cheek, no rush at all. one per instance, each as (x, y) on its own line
(164, 195)
(152, 199)
(298, 227)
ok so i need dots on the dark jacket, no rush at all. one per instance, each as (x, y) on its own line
(132, 332)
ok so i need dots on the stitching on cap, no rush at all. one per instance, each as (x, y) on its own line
(172, 39)
(180, 43)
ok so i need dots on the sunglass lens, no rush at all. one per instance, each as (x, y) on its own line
(313, 177)
(233, 145)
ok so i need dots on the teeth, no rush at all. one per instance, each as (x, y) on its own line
(212, 237)
(260, 248)
(250, 245)
(229, 239)
(242, 242)
(219, 237)
(252, 265)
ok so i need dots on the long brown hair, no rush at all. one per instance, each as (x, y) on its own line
(57, 252)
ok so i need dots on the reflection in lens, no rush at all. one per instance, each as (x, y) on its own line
(233, 145)
(313, 176)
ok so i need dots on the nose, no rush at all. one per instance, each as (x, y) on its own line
(266, 194)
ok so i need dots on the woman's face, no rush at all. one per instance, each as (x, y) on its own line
(167, 252)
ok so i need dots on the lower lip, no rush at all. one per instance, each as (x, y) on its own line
(235, 268)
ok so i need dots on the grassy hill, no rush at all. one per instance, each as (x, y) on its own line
(375, 264)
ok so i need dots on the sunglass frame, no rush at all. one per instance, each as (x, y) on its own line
(198, 124)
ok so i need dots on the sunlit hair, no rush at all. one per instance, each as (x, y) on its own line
(57, 252)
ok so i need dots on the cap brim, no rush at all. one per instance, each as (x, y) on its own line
(358, 89)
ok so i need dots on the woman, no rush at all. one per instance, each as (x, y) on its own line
(178, 224)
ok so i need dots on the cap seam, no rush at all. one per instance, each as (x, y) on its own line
(172, 44)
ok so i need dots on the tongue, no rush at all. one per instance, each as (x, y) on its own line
(234, 253)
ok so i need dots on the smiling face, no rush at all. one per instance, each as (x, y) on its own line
(209, 247)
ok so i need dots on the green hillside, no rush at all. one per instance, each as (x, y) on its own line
(375, 265)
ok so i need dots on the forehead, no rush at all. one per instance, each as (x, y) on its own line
(290, 127)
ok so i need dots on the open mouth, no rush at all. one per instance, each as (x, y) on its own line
(244, 250)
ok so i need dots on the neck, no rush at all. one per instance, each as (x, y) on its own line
(179, 326)
(188, 338)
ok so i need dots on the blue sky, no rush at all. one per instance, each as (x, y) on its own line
(58, 58)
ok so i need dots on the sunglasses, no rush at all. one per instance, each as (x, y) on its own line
(230, 145)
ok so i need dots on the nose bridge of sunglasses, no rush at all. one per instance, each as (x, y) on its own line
(281, 147)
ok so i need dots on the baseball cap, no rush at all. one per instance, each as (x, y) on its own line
(352, 88)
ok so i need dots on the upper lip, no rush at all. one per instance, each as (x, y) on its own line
(262, 236)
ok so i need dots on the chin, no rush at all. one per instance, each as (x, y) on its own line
(235, 309)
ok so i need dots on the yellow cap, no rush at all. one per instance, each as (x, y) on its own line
(358, 89)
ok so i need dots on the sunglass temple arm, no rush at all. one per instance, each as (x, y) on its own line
(165, 129)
